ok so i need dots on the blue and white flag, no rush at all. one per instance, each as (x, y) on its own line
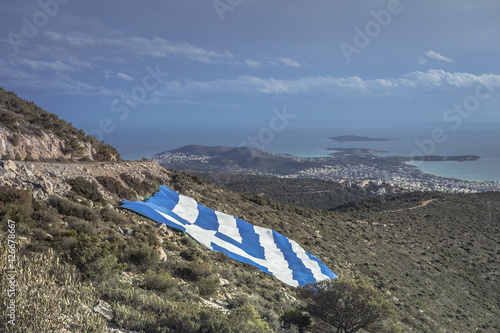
(264, 248)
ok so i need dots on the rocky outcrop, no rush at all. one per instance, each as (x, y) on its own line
(33, 147)
(104, 309)
(45, 179)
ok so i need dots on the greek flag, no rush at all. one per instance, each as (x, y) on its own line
(264, 248)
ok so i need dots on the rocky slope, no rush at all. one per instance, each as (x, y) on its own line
(46, 146)
(44, 179)
(27, 132)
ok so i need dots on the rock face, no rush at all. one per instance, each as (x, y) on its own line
(46, 146)
(45, 179)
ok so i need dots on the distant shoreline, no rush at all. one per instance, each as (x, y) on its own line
(356, 151)
(356, 138)
(436, 158)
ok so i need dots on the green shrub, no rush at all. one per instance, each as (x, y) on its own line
(154, 179)
(43, 216)
(72, 146)
(114, 186)
(85, 188)
(193, 254)
(16, 205)
(93, 259)
(108, 214)
(194, 271)
(297, 318)
(106, 152)
(85, 158)
(9, 119)
(67, 207)
(141, 187)
(14, 139)
(28, 158)
(161, 281)
(141, 256)
(349, 305)
(207, 286)
(246, 319)
(81, 226)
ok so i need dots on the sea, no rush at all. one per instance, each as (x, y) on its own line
(312, 141)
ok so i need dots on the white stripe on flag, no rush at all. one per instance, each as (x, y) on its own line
(228, 227)
(187, 209)
(308, 262)
(277, 264)
(274, 260)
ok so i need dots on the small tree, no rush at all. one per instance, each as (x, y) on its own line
(349, 305)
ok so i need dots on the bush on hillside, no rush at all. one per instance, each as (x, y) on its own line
(115, 186)
(349, 306)
(85, 188)
(69, 208)
(141, 187)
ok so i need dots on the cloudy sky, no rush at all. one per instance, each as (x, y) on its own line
(128, 67)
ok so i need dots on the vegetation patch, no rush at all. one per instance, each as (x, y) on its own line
(85, 188)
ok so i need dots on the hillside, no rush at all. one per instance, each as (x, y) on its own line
(85, 265)
(302, 192)
(27, 132)
(437, 264)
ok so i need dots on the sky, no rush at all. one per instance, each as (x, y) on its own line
(126, 70)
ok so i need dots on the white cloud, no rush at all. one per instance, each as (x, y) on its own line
(117, 75)
(432, 81)
(39, 65)
(422, 60)
(289, 62)
(436, 56)
(252, 63)
(154, 47)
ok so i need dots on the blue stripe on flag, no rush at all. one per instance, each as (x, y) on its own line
(263, 248)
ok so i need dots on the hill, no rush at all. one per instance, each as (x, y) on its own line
(230, 160)
(27, 132)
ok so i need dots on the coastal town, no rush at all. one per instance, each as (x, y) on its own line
(404, 179)
(353, 170)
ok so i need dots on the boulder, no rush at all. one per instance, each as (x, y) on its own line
(164, 229)
(8, 165)
(161, 252)
(104, 309)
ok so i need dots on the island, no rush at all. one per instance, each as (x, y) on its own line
(356, 138)
(357, 151)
